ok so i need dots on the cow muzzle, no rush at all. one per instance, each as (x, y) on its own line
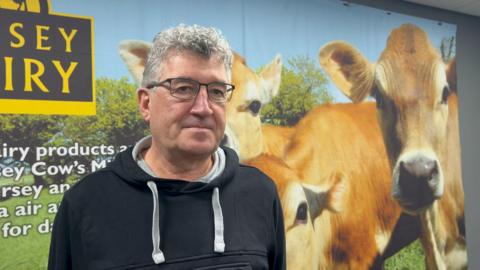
(417, 181)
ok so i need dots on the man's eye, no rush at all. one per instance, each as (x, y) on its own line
(185, 89)
(217, 92)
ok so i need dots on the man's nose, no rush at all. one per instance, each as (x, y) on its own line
(201, 103)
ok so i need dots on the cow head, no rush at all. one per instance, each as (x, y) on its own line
(243, 130)
(302, 206)
(252, 91)
(413, 90)
(305, 209)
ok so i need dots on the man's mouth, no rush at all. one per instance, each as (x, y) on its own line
(198, 127)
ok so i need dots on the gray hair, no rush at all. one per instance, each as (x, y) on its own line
(204, 41)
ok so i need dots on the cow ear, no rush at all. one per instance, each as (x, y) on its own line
(239, 58)
(271, 77)
(316, 200)
(351, 72)
(134, 53)
(452, 75)
(336, 194)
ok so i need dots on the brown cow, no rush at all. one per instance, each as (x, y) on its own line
(347, 138)
(301, 205)
(417, 110)
(276, 139)
(244, 129)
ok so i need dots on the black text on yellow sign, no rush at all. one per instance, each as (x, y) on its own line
(46, 64)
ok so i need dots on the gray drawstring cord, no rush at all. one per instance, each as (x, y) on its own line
(219, 243)
(157, 254)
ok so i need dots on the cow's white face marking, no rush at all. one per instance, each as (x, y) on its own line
(381, 78)
(457, 257)
(440, 79)
(292, 198)
(302, 245)
(230, 139)
(382, 238)
(252, 93)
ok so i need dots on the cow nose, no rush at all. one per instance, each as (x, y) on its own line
(418, 184)
(420, 167)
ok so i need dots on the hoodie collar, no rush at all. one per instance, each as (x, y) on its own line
(217, 167)
(128, 170)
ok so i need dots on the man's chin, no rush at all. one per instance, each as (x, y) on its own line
(197, 142)
(199, 148)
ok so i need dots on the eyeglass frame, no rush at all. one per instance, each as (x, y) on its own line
(167, 83)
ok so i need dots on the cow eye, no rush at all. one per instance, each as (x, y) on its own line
(255, 106)
(445, 94)
(302, 213)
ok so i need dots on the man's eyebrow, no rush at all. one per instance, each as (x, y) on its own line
(190, 78)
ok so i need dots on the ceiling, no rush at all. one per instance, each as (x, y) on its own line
(471, 7)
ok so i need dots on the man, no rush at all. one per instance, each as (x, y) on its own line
(175, 200)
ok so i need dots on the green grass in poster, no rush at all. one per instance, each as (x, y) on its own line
(410, 258)
(26, 252)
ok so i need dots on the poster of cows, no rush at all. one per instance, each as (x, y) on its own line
(352, 111)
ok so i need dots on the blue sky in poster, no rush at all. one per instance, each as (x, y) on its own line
(257, 29)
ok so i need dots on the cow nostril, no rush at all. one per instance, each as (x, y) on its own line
(420, 167)
(433, 172)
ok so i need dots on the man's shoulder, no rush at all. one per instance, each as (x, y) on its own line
(254, 177)
(91, 184)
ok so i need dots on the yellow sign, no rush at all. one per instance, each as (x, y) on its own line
(46, 60)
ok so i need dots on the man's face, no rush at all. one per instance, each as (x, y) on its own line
(192, 127)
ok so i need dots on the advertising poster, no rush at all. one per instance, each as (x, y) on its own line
(355, 107)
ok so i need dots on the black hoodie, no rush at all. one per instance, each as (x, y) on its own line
(110, 220)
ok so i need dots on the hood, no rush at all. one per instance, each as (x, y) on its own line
(129, 171)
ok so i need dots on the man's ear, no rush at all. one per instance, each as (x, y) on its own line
(143, 98)
(135, 53)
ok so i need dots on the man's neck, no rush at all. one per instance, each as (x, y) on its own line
(180, 166)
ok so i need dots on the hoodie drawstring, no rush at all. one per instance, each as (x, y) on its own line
(219, 243)
(157, 254)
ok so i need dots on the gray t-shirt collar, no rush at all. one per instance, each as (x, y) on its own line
(146, 142)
